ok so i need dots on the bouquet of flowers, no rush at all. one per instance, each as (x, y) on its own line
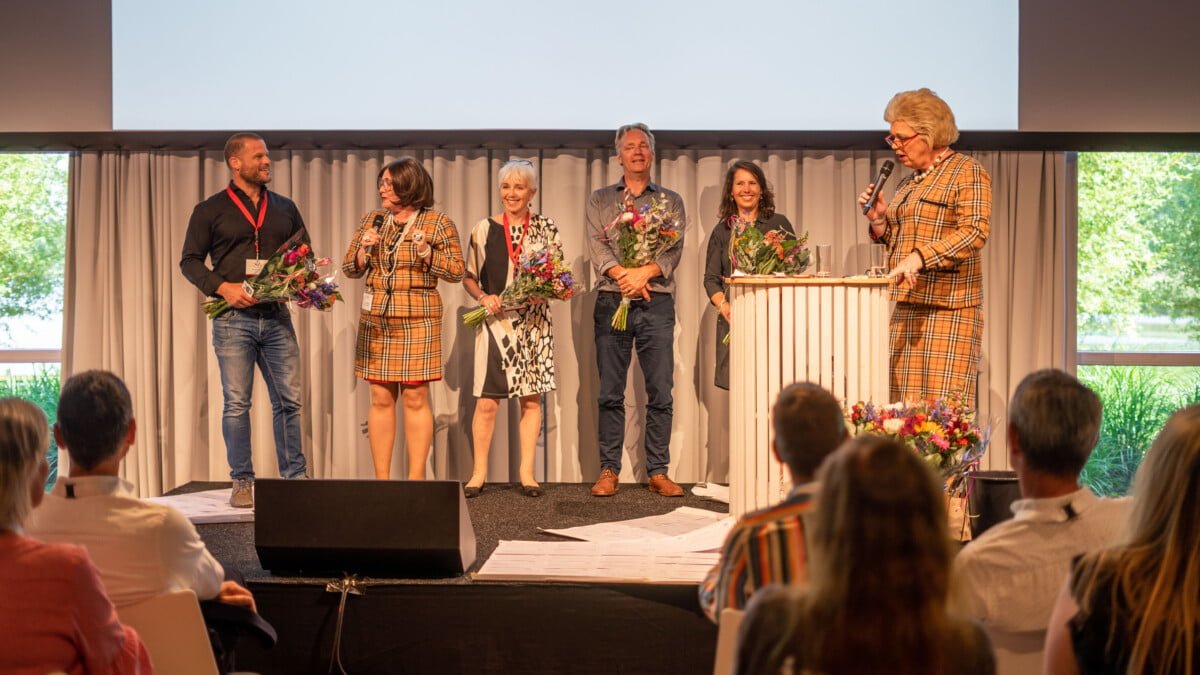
(942, 433)
(775, 252)
(541, 273)
(642, 235)
(288, 275)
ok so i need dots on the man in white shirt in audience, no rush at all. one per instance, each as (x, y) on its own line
(1009, 577)
(142, 549)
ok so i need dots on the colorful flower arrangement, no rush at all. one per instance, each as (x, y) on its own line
(290, 274)
(943, 433)
(773, 252)
(541, 273)
(642, 235)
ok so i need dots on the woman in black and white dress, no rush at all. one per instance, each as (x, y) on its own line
(514, 349)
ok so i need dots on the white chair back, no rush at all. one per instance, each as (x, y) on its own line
(727, 635)
(172, 628)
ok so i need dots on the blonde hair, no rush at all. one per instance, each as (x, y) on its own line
(926, 113)
(522, 168)
(24, 439)
(1156, 572)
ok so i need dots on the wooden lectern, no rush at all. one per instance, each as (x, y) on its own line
(830, 331)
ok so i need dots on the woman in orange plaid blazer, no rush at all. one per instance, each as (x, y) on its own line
(934, 227)
(403, 249)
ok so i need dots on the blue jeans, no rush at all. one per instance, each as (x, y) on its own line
(264, 336)
(651, 331)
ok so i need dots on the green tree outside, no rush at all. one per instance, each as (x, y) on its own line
(1139, 246)
(1176, 227)
(33, 225)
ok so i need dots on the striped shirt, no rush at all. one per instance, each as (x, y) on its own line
(764, 547)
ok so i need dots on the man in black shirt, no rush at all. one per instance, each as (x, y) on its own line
(239, 228)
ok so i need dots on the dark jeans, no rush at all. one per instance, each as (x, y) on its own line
(259, 336)
(651, 331)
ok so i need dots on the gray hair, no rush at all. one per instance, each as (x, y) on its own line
(630, 127)
(24, 439)
(1057, 422)
(523, 168)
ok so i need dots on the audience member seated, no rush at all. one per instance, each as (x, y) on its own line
(54, 615)
(1134, 608)
(767, 546)
(142, 549)
(1007, 579)
(879, 576)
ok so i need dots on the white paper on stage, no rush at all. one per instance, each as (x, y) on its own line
(625, 562)
(662, 529)
(713, 491)
(207, 507)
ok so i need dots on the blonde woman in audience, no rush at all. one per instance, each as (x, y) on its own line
(879, 575)
(54, 615)
(1135, 608)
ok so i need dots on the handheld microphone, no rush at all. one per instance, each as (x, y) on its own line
(375, 225)
(884, 172)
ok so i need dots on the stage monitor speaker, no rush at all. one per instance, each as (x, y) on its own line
(380, 528)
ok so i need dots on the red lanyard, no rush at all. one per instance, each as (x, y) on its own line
(262, 214)
(514, 253)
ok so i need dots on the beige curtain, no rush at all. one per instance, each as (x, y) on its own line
(129, 309)
(1025, 268)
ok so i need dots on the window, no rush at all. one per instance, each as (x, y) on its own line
(1137, 300)
(33, 222)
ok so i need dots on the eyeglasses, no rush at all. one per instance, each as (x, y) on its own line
(385, 183)
(893, 140)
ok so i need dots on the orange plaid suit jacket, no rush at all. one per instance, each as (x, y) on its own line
(401, 284)
(945, 218)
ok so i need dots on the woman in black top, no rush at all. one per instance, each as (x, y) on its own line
(1135, 608)
(747, 199)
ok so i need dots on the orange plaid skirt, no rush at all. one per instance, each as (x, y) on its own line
(398, 349)
(935, 352)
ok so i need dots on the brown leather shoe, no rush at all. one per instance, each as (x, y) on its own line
(661, 485)
(606, 486)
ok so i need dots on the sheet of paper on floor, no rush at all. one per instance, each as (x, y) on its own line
(714, 491)
(643, 562)
(207, 507)
(702, 527)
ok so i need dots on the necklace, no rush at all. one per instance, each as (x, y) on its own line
(514, 243)
(920, 175)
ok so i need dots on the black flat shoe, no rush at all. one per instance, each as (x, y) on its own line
(531, 490)
(471, 492)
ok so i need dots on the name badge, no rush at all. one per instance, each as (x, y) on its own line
(254, 266)
(366, 301)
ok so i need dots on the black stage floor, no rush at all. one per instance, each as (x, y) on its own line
(461, 625)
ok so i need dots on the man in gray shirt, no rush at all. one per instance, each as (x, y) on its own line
(651, 325)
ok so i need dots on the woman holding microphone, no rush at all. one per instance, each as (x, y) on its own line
(404, 248)
(934, 228)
